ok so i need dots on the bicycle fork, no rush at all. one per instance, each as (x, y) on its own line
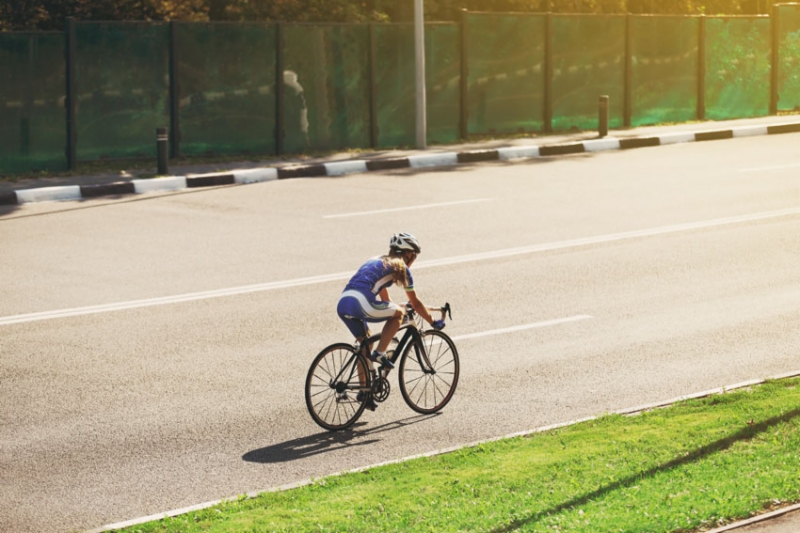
(422, 356)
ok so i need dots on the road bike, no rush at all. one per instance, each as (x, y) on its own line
(342, 378)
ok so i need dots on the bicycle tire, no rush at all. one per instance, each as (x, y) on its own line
(423, 391)
(330, 407)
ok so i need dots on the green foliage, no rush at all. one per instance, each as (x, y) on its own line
(50, 14)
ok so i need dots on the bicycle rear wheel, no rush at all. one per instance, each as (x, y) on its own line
(332, 384)
(428, 384)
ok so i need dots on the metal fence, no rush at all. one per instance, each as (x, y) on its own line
(100, 89)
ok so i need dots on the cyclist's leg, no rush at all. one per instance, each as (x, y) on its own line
(389, 329)
(356, 305)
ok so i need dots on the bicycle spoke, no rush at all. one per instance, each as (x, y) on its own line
(335, 369)
(429, 373)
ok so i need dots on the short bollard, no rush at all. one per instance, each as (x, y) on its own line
(603, 116)
(162, 141)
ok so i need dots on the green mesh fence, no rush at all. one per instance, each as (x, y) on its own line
(664, 69)
(789, 57)
(737, 67)
(588, 61)
(32, 115)
(443, 78)
(395, 85)
(122, 83)
(226, 80)
(326, 72)
(227, 97)
(506, 72)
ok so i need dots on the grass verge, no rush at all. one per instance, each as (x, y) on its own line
(692, 466)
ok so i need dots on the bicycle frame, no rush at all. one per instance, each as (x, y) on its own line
(411, 334)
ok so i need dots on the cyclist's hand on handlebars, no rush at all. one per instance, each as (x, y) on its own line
(438, 324)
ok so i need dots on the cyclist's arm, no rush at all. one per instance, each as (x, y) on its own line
(418, 306)
(384, 294)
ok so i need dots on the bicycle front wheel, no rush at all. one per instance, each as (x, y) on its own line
(334, 380)
(428, 383)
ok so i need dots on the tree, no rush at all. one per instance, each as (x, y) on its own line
(50, 14)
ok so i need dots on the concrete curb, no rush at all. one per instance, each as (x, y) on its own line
(341, 168)
(625, 412)
(756, 519)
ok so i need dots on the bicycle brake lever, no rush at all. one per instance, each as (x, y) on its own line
(446, 310)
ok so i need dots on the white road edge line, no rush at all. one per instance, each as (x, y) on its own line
(775, 167)
(629, 412)
(522, 327)
(408, 208)
(313, 280)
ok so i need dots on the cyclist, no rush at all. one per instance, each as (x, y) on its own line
(366, 296)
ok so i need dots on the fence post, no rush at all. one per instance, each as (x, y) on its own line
(25, 121)
(548, 73)
(627, 104)
(701, 69)
(279, 89)
(774, 19)
(464, 79)
(174, 92)
(71, 96)
(162, 148)
(373, 90)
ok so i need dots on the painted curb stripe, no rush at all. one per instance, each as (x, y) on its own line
(305, 171)
(388, 164)
(433, 160)
(339, 168)
(8, 198)
(48, 194)
(783, 128)
(210, 180)
(109, 189)
(750, 131)
(713, 135)
(255, 175)
(600, 145)
(561, 149)
(626, 412)
(173, 183)
(674, 138)
(481, 155)
(639, 142)
(518, 152)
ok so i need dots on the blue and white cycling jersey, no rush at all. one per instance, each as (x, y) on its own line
(359, 301)
(374, 276)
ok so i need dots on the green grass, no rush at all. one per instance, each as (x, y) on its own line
(689, 467)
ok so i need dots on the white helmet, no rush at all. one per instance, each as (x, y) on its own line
(405, 241)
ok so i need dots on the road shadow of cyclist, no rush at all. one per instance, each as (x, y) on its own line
(328, 441)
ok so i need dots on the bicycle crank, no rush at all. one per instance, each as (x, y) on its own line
(380, 389)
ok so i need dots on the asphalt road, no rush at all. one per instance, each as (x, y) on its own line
(684, 258)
